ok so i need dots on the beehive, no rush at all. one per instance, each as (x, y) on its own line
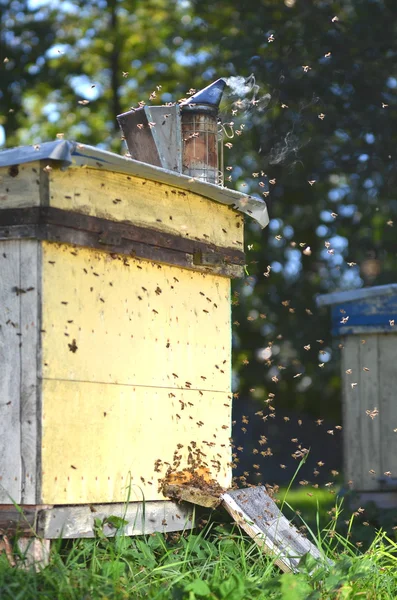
(115, 334)
(366, 322)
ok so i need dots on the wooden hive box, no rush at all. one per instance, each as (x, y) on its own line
(366, 321)
(115, 335)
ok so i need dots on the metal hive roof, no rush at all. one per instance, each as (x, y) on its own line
(70, 153)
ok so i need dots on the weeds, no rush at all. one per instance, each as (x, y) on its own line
(216, 562)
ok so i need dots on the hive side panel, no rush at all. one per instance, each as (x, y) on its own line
(10, 373)
(351, 411)
(20, 185)
(115, 320)
(112, 443)
(388, 404)
(368, 390)
(30, 364)
(146, 203)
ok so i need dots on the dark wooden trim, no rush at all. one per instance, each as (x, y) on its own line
(53, 224)
(22, 520)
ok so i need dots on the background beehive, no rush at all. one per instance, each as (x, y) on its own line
(365, 321)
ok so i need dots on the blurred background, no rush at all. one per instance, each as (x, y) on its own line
(316, 137)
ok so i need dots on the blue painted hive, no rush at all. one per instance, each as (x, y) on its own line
(366, 321)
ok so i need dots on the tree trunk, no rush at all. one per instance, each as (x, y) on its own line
(114, 60)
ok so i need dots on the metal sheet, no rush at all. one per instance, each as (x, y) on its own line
(72, 153)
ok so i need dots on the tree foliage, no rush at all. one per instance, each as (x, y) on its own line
(323, 147)
(327, 138)
(96, 59)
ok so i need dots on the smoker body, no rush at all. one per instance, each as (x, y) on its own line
(181, 137)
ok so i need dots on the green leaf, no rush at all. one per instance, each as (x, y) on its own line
(116, 522)
(293, 587)
(198, 587)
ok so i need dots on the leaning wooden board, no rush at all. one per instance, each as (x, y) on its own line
(258, 515)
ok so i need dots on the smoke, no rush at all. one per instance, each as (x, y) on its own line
(241, 86)
(247, 90)
(244, 96)
(284, 149)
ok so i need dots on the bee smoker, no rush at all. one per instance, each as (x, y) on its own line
(182, 137)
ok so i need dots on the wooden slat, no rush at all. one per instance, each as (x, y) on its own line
(258, 515)
(368, 391)
(352, 411)
(30, 391)
(146, 203)
(96, 436)
(387, 404)
(143, 518)
(20, 185)
(10, 372)
(134, 322)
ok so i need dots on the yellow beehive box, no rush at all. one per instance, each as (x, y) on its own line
(115, 331)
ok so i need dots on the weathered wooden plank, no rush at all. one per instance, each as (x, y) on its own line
(100, 440)
(142, 518)
(146, 203)
(368, 391)
(160, 325)
(388, 407)
(21, 519)
(352, 411)
(10, 372)
(30, 415)
(258, 515)
(20, 185)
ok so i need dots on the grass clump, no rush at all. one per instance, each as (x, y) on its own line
(216, 562)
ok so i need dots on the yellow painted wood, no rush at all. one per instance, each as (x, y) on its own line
(120, 197)
(133, 321)
(95, 436)
(126, 346)
(20, 186)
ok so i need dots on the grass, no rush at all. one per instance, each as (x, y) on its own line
(215, 562)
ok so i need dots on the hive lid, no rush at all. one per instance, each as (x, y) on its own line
(74, 154)
(367, 310)
(353, 295)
